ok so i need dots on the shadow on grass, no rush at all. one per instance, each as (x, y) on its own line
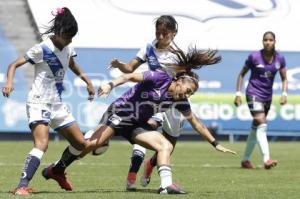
(97, 191)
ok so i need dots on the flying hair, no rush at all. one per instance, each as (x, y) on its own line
(63, 23)
(195, 58)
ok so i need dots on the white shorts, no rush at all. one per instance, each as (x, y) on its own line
(173, 122)
(56, 115)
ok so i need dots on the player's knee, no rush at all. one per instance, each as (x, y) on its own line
(41, 144)
(166, 146)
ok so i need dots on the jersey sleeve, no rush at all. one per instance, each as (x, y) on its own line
(141, 55)
(183, 106)
(282, 62)
(72, 51)
(249, 61)
(149, 77)
(34, 55)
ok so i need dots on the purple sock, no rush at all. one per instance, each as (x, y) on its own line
(31, 165)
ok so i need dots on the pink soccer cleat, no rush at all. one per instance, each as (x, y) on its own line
(247, 164)
(172, 189)
(270, 163)
(59, 178)
(23, 191)
(130, 182)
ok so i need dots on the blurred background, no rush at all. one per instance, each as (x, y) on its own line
(118, 28)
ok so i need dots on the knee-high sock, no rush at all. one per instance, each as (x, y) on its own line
(137, 158)
(69, 155)
(261, 135)
(32, 163)
(251, 141)
(165, 174)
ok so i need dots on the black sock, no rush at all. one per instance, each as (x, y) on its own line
(66, 159)
(153, 160)
(136, 160)
(31, 165)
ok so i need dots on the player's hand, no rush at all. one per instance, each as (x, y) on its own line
(91, 91)
(153, 123)
(7, 89)
(237, 101)
(224, 150)
(115, 63)
(283, 100)
(104, 90)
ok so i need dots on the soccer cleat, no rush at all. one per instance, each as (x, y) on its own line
(146, 177)
(59, 178)
(247, 164)
(270, 163)
(172, 189)
(130, 182)
(23, 191)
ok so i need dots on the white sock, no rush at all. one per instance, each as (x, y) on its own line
(262, 140)
(37, 153)
(138, 147)
(165, 174)
(251, 141)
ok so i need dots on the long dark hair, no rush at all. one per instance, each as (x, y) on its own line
(195, 58)
(168, 22)
(64, 23)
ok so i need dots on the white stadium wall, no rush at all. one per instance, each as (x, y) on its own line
(226, 25)
(118, 28)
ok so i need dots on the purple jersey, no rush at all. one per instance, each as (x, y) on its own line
(263, 74)
(148, 97)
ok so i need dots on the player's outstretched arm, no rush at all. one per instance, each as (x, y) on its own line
(202, 130)
(131, 77)
(125, 68)
(8, 87)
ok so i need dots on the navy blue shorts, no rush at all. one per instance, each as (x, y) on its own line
(258, 106)
(123, 125)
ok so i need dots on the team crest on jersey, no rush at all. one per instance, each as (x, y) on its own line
(46, 114)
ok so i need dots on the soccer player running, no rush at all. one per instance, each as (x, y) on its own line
(264, 65)
(51, 59)
(159, 55)
(128, 115)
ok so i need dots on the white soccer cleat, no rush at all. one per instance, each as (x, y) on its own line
(145, 181)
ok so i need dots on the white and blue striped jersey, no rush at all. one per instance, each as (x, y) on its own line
(157, 58)
(50, 66)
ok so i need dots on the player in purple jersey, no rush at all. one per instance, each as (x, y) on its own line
(263, 65)
(155, 92)
(50, 59)
(158, 55)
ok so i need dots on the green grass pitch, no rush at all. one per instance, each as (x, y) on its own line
(197, 168)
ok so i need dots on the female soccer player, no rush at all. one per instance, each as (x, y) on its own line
(159, 55)
(155, 92)
(51, 59)
(264, 65)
